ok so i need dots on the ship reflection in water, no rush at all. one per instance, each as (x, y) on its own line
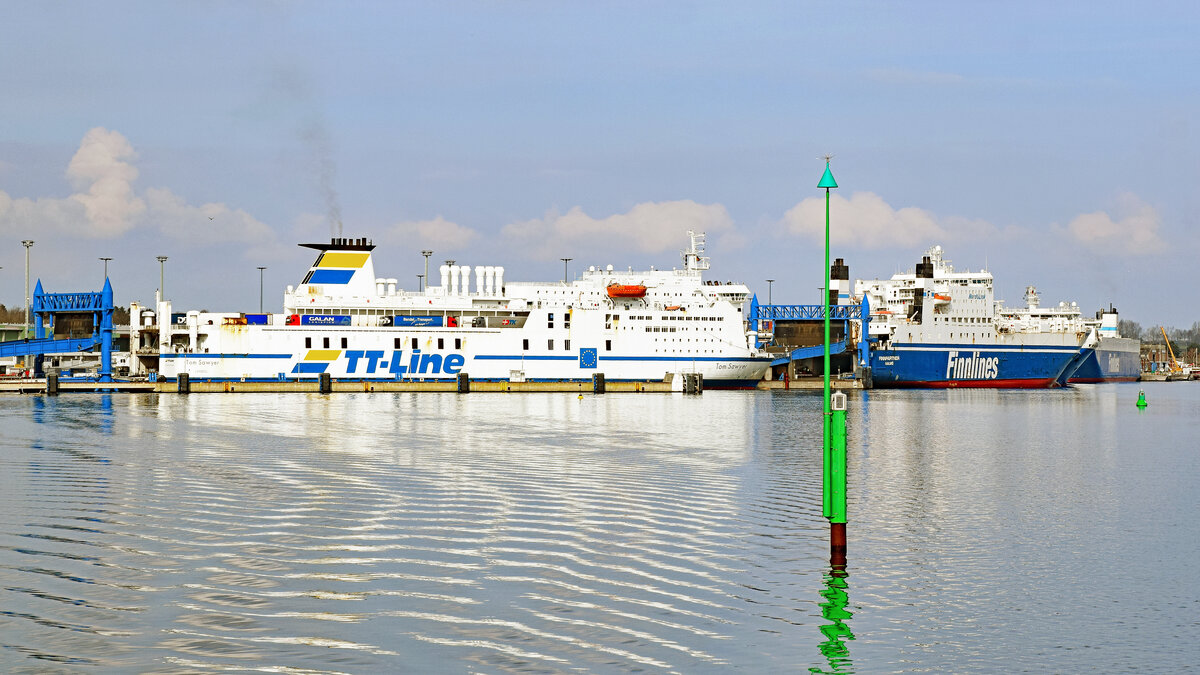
(542, 532)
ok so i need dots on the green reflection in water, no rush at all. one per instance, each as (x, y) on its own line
(837, 633)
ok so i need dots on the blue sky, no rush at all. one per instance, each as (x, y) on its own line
(1055, 141)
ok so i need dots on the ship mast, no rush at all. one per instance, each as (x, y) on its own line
(693, 258)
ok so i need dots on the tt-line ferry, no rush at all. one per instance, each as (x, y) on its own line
(344, 321)
(935, 327)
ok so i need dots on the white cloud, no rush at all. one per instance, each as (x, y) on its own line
(106, 205)
(437, 233)
(100, 168)
(27, 217)
(1134, 231)
(867, 221)
(650, 227)
(212, 221)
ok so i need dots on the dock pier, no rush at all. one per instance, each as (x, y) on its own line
(185, 385)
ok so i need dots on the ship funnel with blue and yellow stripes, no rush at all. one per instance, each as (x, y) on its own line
(344, 268)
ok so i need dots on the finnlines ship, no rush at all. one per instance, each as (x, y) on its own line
(344, 321)
(935, 327)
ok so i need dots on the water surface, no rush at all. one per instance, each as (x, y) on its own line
(990, 531)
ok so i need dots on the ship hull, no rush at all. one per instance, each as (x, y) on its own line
(253, 353)
(947, 366)
(1115, 360)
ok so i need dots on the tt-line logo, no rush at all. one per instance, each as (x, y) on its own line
(417, 363)
(971, 367)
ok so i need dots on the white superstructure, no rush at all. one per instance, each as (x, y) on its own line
(343, 320)
(937, 304)
(938, 327)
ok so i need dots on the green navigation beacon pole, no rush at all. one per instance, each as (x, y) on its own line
(833, 427)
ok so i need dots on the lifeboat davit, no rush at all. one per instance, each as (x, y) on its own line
(626, 291)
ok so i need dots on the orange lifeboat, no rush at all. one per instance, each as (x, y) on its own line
(626, 291)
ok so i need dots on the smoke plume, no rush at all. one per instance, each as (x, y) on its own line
(316, 136)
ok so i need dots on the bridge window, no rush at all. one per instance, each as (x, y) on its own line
(326, 343)
(608, 345)
(567, 345)
(458, 343)
(441, 343)
(308, 343)
(344, 342)
(550, 320)
(396, 343)
(414, 343)
(550, 344)
(525, 344)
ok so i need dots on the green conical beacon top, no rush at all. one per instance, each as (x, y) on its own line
(827, 180)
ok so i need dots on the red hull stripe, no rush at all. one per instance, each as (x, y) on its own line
(1041, 383)
(1098, 380)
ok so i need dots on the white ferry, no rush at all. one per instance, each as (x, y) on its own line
(344, 321)
(937, 327)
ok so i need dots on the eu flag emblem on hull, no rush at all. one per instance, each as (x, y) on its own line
(587, 358)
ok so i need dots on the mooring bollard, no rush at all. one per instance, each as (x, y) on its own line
(185, 384)
(464, 383)
(597, 383)
(52, 384)
(326, 383)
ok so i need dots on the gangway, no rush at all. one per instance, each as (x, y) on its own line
(48, 307)
(34, 346)
(759, 314)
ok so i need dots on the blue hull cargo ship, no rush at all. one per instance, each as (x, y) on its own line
(1116, 359)
(935, 327)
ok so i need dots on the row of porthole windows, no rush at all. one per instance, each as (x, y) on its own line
(677, 317)
(397, 343)
(566, 345)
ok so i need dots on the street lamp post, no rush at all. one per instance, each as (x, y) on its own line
(769, 286)
(27, 243)
(422, 277)
(260, 288)
(565, 261)
(106, 266)
(162, 293)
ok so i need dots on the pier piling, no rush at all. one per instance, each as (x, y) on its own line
(464, 383)
(326, 383)
(597, 383)
(52, 384)
(185, 383)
